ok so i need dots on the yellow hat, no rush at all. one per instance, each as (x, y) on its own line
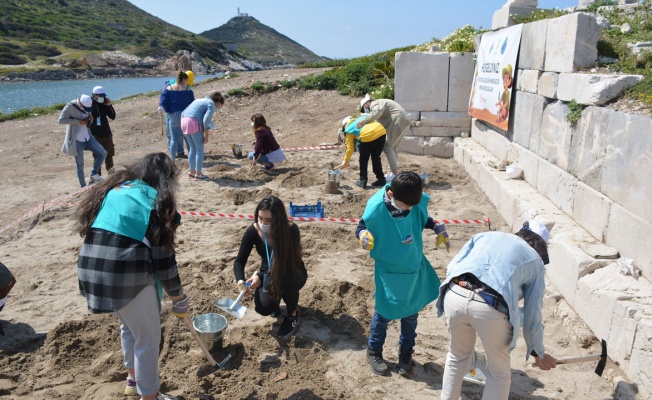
(508, 70)
(191, 77)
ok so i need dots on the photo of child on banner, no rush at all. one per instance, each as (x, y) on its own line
(494, 76)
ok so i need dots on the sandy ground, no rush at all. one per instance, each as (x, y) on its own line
(54, 349)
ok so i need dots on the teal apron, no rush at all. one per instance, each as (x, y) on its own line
(405, 280)
(126, 210)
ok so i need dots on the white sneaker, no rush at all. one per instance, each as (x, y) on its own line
(163, 396)
(96, 178)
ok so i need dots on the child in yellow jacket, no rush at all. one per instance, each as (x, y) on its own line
(372, 138)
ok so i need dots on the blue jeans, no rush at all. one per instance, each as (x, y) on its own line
(378, 331)
(96, 148)
(173, 131)
(262, 159)
(196, 151)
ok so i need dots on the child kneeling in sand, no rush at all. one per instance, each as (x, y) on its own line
(391, 228)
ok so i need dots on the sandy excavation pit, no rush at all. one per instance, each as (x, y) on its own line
(54, 349)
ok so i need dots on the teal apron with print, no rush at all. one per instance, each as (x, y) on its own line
(405, 280)
(126, 210)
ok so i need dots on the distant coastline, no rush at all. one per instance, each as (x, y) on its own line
(81, 74)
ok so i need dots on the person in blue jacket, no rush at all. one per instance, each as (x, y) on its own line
(175, 97)
(391, 229)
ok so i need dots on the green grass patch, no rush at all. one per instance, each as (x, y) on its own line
(237, 92)
(32, 112)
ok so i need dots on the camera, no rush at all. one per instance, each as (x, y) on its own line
(87, 119)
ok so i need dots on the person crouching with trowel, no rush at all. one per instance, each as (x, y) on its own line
(483, 286)
(391, 228)
(282, 271)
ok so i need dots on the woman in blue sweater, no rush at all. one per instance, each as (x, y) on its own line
(174, 99)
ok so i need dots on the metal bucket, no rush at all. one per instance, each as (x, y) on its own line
(210, 328)
(335, 175)
(237, 150)
(425, 178)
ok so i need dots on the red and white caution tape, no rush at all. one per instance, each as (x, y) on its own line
(322, 147)
(325, 219)
(41, 207)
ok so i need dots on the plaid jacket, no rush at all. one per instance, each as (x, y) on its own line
(112, 270)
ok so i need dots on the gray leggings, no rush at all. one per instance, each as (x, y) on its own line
(140, 335)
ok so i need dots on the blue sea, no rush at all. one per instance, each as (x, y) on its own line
(16, 96)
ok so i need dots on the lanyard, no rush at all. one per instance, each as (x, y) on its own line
(269, 258)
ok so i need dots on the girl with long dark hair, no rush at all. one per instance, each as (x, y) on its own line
(127, 259)
(282, 272)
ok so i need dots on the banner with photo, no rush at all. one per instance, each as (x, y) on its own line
(494, 74)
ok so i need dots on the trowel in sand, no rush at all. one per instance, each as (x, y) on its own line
(234, 307)
(477, 369)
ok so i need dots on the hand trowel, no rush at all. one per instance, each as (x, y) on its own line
(234, 307)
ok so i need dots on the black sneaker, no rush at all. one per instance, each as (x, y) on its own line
(276, 313)
(182, 155)
(375, 359)
(405, 361)
(379, 183)
(289, 325)
(362, 183)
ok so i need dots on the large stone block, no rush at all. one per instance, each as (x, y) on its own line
(594, 89)
(460, 79)
(571, 42)
(455, 119)
(557, 185)
(588, 146)
(630, 235)
(556, 134)
(528, 111)
(438, 147)
(528, 80)
(591, 210)
(638, 368)
(568, 263)
(495, 142)
(548, 84)
(502, 17)
(412, 145)
(530, 164)
(413, 115)
(531, 54)
(438, 131)
(627, 165)
(421, 81)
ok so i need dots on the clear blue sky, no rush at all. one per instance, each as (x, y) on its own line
(340, 28)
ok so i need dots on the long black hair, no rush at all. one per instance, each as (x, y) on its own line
(287, 253)
(156, 170)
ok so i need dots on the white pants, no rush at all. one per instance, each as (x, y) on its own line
(140, 335)
(467, 313)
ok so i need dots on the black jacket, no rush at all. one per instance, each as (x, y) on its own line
(102, 113)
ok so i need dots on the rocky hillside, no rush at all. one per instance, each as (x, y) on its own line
(260, 43)
(55, 31)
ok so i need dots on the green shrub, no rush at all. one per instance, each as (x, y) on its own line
(574, 113)
(461, 39)
(32, 112)
(237, 92)
(286, 84)
(258, 87)
(12, 59)
(538, 15)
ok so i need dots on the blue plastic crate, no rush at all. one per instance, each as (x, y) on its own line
(307, 211)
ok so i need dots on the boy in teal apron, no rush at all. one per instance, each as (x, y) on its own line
(391, 228)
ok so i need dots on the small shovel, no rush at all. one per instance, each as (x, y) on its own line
(234, 307)
(216, 366)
